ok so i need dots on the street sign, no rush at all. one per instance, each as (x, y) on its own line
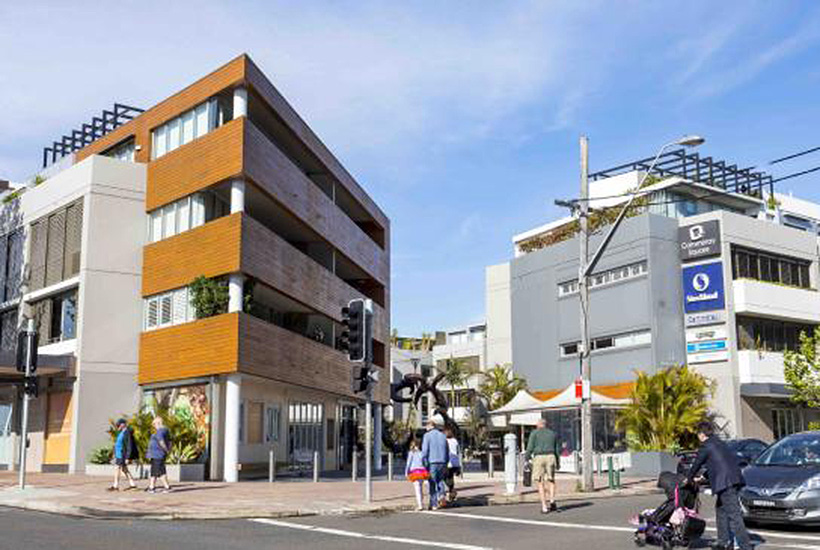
(700, 240)
(703, 287)
(704, 318)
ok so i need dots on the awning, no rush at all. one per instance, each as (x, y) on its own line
(765, 390)
(47, 365)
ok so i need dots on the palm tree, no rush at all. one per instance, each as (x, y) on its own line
(665, 409)
(499, 385)
(456, 372)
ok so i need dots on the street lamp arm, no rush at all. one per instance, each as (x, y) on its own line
(622, 214)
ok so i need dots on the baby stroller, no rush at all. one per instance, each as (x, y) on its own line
(676, 521)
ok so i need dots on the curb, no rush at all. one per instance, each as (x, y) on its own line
(468, 502)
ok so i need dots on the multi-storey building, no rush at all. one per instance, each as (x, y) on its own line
(712, 272)
(222, 180)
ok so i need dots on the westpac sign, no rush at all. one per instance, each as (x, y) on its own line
(703, 287)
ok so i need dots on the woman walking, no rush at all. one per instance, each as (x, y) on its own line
(158, 447)
(416, 473)
(453, 464)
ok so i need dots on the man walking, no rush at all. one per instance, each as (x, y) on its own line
(158, 448)
(724, 478)
(543, 448)
(125, 450)
(435, 454)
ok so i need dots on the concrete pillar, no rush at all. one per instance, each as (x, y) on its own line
(240, 102)
(233, 386)
(237, 196)
(235, 292)
(377, 436)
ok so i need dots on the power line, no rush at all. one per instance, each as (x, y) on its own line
(795, 155)
(796, 174)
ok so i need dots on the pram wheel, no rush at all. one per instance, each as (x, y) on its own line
(639, 540)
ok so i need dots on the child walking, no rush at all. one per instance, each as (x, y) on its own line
(416, 473)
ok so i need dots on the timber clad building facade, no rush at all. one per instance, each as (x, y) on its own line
(235, 187)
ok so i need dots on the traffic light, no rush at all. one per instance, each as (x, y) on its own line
(354, 336)
(364, 377)
(26, 347)
(31, 387)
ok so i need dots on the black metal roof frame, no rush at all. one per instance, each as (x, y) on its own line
(87, 133)
(704, 170)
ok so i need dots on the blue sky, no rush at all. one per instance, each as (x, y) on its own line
(461, 119)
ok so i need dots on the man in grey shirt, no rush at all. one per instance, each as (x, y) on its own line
(434, 454)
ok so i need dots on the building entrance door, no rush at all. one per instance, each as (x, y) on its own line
(6, 441)
(347, 435)
(58, 428)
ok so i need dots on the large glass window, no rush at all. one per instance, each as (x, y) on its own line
(185, 128)
(167, 309)
(56, 317)
(122, 151)
(762, 266)
(184, 214)
(769, 335)
(305, 432)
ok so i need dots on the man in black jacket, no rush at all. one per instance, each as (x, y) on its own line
(725, 479)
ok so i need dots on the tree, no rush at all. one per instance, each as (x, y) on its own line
(499, 385)
(476, 424)
(802, 370)
(665, 408)
(456, 372)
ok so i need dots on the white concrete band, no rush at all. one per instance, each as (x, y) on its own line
(237, 196)
(240, 102)
(235, 285)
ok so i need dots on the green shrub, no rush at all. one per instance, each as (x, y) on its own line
(102, 454)
(209, 296)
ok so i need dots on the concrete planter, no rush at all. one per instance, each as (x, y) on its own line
(176, 472)
(651, 463)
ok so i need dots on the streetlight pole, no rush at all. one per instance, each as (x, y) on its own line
(585, 267)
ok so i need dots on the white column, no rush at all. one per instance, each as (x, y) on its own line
(240, 102)
(235, 294)
(233, 385)
(377, 436)
(237, 196)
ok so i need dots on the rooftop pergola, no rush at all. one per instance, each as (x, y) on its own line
(100, 126)
(704, 170)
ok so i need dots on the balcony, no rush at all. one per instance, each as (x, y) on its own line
(776, 301)
(760, 367)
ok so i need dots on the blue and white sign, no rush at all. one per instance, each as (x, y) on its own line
(706, 347)
(703, 287)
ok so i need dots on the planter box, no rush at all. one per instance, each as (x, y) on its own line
(651, 463)
(176, 472)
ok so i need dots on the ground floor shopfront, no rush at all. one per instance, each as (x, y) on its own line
(245, 418)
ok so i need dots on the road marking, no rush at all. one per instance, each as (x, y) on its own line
(353, 534)
(567, 525)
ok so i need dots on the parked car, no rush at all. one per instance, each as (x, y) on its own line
(746, 450)
(783, 483)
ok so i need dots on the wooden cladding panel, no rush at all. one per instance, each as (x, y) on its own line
(260, 83)
(211, 249)
(274, 261)
(227, 76)
(197, 165)
(273, 172)
(200, 348)
(272, 352)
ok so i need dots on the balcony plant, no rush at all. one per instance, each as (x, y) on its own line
(209, 296)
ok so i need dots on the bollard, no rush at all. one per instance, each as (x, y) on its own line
(315, 466)
(492, 470)
(618, 475)
(355, 466)
(510, 463)
(390, 466)
(610, 472)
(271, 466)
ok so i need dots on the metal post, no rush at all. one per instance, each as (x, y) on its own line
(368, 455)
(390, 466)
(315, 466)
(26, 398)
(583, 290)
(271, 465)
(610, 472)
(490, 460)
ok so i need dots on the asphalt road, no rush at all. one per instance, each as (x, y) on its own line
(594, 524)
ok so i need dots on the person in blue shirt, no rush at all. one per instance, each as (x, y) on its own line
(435, 453)
(158, 447)
(125, 450)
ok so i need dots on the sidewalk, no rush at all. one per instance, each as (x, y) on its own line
(84, 496)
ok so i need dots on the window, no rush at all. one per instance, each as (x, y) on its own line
(11, 265)
(784, 422)
(184, 214)
(167, 309)
(624, 340)
(609, 276)
(769, 335)
(185, 128)
(273, 417)
(751, 264)
(122, 151)
(8, 329)
(56, 317)
(255, 423)
(305, 434)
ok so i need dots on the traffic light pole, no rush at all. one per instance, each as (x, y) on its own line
(368, 406)
(26, 399)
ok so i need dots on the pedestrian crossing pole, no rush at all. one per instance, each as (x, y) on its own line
(368, 411)
(29, 350)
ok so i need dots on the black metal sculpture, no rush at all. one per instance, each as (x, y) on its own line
(418, 386)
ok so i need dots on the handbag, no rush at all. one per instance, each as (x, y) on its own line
(527, 474)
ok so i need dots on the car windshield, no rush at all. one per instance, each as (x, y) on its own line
(794, 450)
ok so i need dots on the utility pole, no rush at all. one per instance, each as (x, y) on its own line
(30, 350)
(583, 291)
